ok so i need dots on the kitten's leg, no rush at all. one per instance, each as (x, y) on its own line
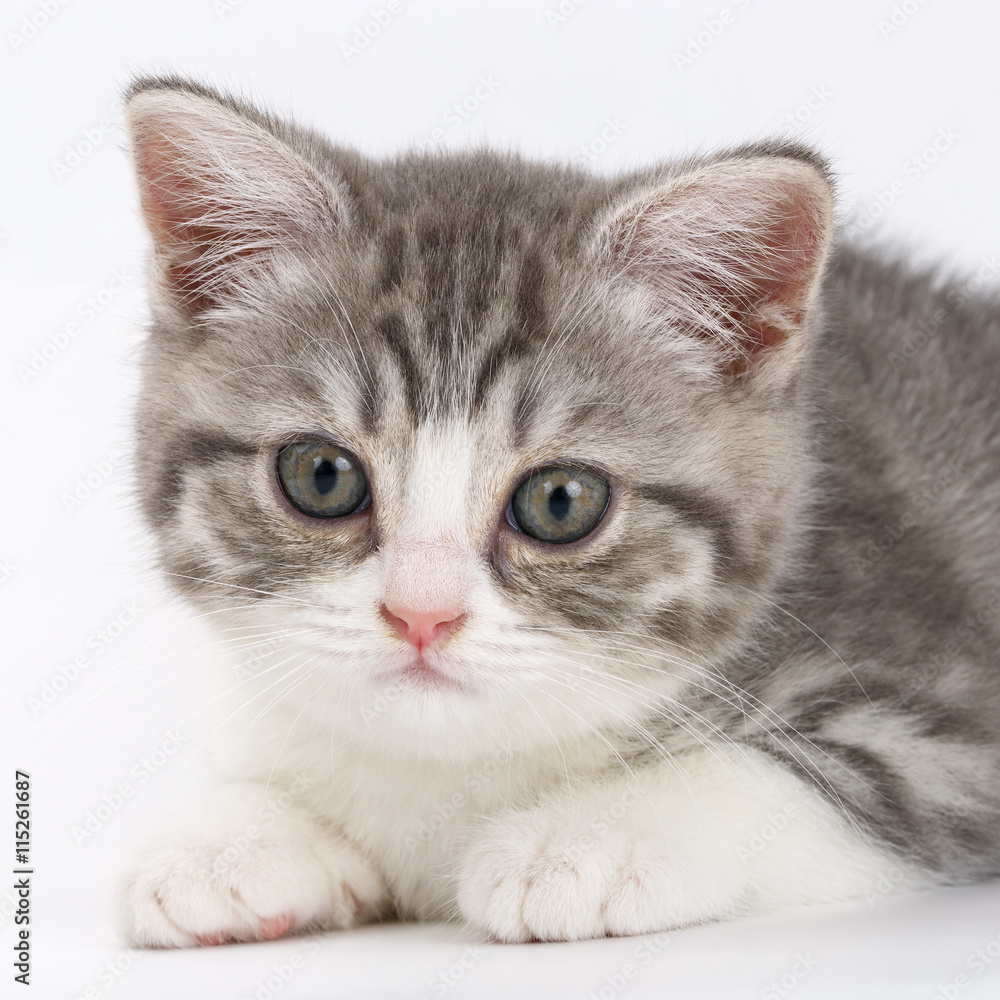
(252, 866)
(727, 837)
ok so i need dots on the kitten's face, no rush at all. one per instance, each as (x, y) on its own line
(451, 327)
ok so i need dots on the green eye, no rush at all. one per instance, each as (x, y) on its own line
(321, 479)
(560, 505)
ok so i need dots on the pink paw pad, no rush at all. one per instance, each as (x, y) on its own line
(210, 940)
(269, 929)
(273, 928)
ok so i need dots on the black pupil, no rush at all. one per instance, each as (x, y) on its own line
(559, 503)
(326, 475)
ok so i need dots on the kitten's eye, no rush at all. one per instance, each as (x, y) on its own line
(560, 505)
(321, 479)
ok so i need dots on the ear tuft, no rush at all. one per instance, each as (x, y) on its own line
(730, 253)
(222, 196)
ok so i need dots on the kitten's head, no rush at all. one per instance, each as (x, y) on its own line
(502, 449)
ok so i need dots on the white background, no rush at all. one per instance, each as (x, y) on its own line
(71, 563)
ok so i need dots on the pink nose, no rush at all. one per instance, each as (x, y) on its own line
(423, 628)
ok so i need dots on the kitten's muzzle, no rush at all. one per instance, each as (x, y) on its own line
(422, 629)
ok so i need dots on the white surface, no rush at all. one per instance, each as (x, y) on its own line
(67, 570)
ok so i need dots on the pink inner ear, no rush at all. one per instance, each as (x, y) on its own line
(782, 273)
(177, 203)
(741, 248)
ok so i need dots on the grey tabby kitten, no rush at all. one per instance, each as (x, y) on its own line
(588, 556)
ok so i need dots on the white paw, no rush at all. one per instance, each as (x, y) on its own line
(233, 877)
(530, 880)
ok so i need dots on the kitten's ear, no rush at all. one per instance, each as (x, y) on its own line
(730, 253)
(222, 196)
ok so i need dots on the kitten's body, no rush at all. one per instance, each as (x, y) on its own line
(755, 684)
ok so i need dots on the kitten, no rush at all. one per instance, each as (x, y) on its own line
(593, 556)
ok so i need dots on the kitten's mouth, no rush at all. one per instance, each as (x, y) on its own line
(421, 672)
(426, 674)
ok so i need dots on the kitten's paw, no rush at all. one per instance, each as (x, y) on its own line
(217, 884)
(526, 883)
